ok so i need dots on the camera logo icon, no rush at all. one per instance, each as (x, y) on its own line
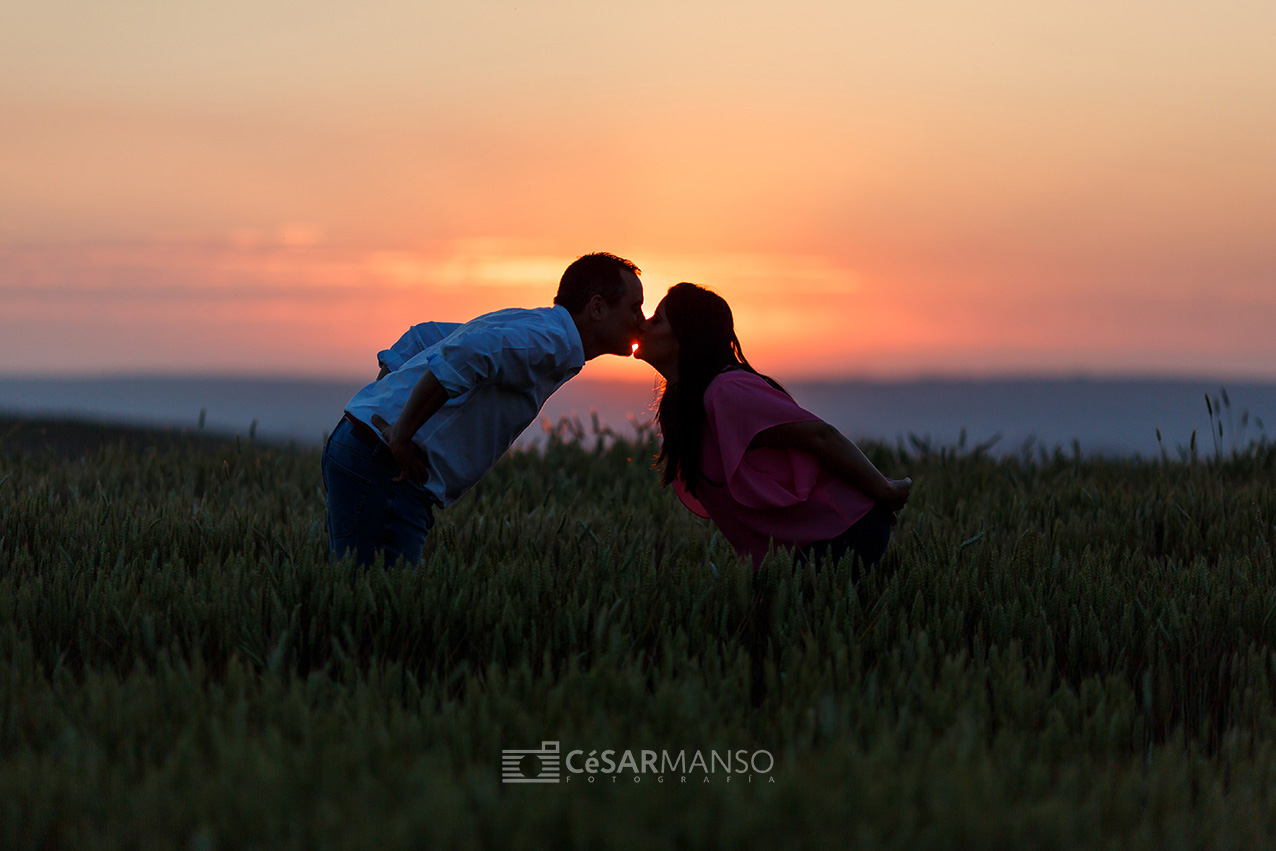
(543, 765)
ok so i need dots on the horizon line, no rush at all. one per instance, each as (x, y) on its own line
(973, 377)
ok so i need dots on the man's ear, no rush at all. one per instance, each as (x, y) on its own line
(596, 307)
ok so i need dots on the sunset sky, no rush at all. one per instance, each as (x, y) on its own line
(879, 189)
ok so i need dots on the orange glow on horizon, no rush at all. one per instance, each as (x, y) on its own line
(307, 309)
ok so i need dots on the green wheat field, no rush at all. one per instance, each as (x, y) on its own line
(1057, 652)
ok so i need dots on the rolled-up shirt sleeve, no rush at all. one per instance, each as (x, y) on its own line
(415, 340)
(477, 356)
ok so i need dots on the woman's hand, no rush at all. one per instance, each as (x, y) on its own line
(895, 495)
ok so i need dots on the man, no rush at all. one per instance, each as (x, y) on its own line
(451, 399)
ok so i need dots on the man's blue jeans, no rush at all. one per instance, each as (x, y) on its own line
(368, 512)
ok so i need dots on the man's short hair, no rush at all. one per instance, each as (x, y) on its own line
(593, 274)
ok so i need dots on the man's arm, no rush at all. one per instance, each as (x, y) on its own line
(839, 455)
(415, 340)
(427, 397)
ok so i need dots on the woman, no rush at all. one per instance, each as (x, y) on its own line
(738, 450)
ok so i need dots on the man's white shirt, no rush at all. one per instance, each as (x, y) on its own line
(498, 370)
(415, 340)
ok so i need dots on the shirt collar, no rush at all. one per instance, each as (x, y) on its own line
(564, 316)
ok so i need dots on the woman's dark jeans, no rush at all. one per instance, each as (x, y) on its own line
(866, 539)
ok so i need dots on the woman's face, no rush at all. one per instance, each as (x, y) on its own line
(658, 346)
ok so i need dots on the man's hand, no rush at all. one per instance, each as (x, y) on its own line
(412, 465)
(427, 397)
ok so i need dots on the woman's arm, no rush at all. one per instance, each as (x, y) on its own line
(837, 454)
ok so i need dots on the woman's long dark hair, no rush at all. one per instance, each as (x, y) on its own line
(707, 345)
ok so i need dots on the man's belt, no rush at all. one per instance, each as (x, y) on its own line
(364, 432)
(366, 435)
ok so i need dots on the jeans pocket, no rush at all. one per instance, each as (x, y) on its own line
(347, 494)
(410, 508)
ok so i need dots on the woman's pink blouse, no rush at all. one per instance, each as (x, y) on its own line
(760, 496)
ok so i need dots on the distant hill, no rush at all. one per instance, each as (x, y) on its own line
(75, 438)
(1109, 416)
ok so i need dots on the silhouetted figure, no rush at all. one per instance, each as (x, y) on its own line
(451, 399)
(737, 449)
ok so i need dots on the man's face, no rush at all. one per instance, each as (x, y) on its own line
(621, 325)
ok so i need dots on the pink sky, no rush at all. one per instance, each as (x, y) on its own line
(930, 188)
